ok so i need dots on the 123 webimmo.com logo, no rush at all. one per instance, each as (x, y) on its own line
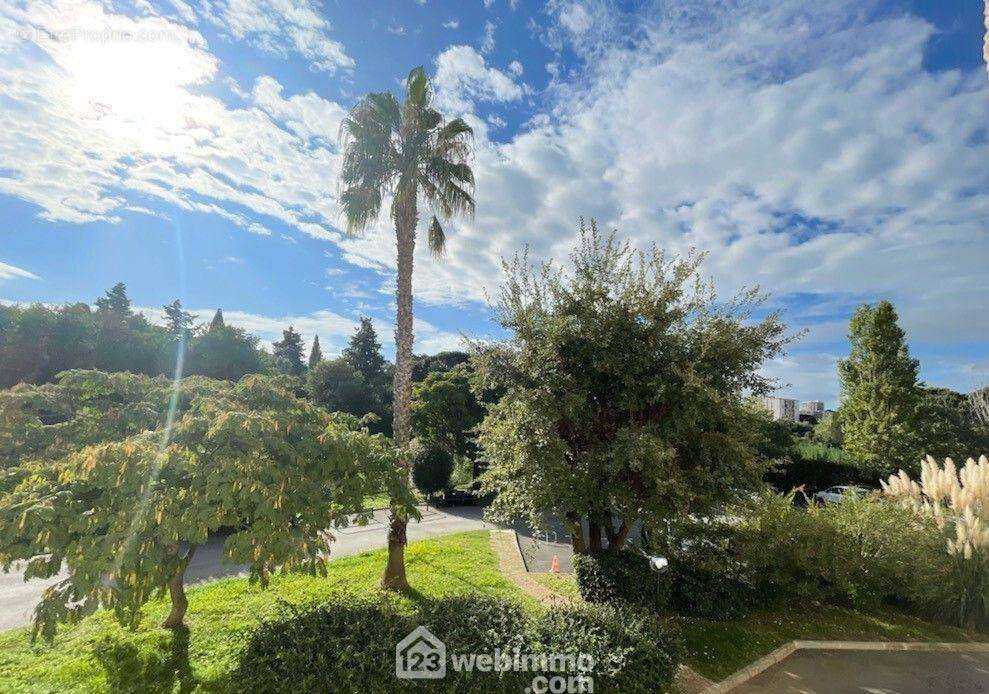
(422, 656)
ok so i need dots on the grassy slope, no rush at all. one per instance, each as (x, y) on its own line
(223, 613)
(716, 649)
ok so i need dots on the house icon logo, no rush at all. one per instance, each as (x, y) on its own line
(420, 656)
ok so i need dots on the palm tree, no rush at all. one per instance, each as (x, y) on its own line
(406, 151)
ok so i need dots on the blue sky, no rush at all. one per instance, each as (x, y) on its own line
(833, 152)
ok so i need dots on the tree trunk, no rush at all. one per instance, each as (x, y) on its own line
(593, 536)
(616, 538)
(405, 231)
(176, 590)
(576, 533)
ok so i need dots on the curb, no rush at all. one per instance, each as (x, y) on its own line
(787, 649)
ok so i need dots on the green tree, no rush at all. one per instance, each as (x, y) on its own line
(441, 362)
(115, 300)
(178, 323)
(445, 412)
(625, 386)
(288, 352)
(881, 396)
(828, 430)
(125, 517)
(316, 354)
(950, 426)
(409, 152)
(225, 352)
(217, 321)
(336, 386)
(363, 352)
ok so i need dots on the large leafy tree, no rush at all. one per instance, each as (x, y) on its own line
(336, 386)
(125, 517)
(881, 396)
(224, 351)
(445, 412)
(409, 152)
(625, 385)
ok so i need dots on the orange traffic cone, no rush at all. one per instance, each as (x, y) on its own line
(554, 566)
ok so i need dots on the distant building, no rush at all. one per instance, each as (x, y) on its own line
(784, 409)
(812, 407)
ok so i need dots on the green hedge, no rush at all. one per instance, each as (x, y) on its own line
(620, 576)
(349, 646)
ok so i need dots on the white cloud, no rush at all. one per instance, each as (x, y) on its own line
(9, 272)
(87, 124)
(488, 40)
(396, 29)
(280, 27)
(452, 24)
(307, 115)
(462, 77)
(496, 121)
(515, 67)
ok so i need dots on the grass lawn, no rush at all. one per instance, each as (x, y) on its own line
(717, 649)
(223, 613)
(561, 584)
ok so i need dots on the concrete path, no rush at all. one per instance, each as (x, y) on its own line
(873, 672)
(18, 598)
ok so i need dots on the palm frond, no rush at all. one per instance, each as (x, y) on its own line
(454, 129)
(436, 238)
(360, 206)
(417, 88)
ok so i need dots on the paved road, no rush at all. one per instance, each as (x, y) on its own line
(18, 598)
(873, 672)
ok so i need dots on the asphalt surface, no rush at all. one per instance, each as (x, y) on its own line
(873, 672)
(18, 597)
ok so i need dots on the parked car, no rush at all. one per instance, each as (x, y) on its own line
(839, 493)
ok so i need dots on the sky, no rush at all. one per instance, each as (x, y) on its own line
(833, 152)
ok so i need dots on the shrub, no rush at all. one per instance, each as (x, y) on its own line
(632, 649)
(344, 646)
(706, 578)
(348, 645)
(624, 575)
(954, 502)
(431, 469)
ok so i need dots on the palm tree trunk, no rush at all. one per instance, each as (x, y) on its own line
(405, 229)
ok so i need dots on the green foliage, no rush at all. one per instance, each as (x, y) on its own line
(633, 650)
(349, 645)
(828, 430)
(38, 342)
(441, 362)
(124, 514)
(431, 469)
(620, 576)
(815, 466)
(336, 386)
(363, 352)
(288, 353)
(950, 426)
(861, 552)
(445, 412)
(624, 389)
(316, 354)
(880, 393)
(223, 352)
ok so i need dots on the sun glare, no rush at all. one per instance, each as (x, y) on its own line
(134, 88)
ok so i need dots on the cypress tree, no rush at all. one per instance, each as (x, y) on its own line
(881, 395)
(363, 352)
(316, 355)
(217, 321)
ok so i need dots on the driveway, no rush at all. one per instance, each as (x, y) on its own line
(18, 598)
(873, 672)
